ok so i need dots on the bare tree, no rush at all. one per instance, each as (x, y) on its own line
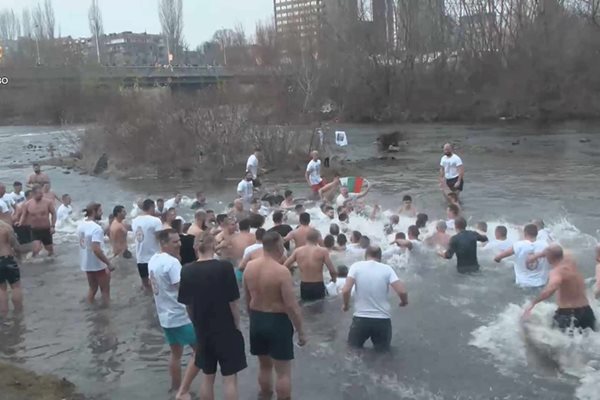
(96, 28)
(49, 19)
(26, 23)
(10, 28)
(170, 13)
(39, 24)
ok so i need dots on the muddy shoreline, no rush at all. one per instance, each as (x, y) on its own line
(18, 384)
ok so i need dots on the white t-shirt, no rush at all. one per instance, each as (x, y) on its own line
(165, 275)
(341, 200)
(373, 280)
(4, 208)
(18, 197)
(171, 203)
(335, 288)
(314, 172)
(9, 201)
(63, 212)
(393, 250)
(450, 165)
(252, 166)
(246, 190)
(450, 225)
(525, 277)
(498, 246)
(89, 232)
(251, 249)
(144, 229)
(544, 236)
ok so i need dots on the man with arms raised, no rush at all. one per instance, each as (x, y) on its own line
(39, 213)
(93, 261)
(9, 270)
(452, 170)
(165, 275)
(372, 317)
(118, 233)
(145, 226)
(274, 313)
(310, 259)
(38, 178)
(464, 245)
(574, 309)
(209, 290)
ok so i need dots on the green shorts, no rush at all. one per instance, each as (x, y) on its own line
(182, 335)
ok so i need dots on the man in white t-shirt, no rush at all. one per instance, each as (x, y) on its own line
(412, 244)
(245, 190)
(17, 195)
(372, 318)
(526, 274)
(346, 198)
(252, 166)
(313, 173)
(144, 227)
(452, 170)
(165, 275)
(174, 202)
(93, 261)
(6, 210)
(501, 243)
(65, 210)
(543, 232)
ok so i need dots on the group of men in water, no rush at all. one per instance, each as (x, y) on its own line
(195, 270)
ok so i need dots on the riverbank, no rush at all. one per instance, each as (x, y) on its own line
(20, 384)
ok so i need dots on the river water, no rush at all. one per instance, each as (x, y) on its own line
(460, 337)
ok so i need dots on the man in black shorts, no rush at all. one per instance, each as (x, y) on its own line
(209, 289)
(9, 270)
(452, 170)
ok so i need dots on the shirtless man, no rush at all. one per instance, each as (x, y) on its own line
(118, 233)
(38, 177)
(327, 192)
(310, 259)
(199, 224)
(440, 238)
(39, 213)
(23, 232)
(9, 270)
(299, 234)
(407, 209)
(49, 194)
(224, 247)
(288, 201)
(574, 310)
(239, 242)
(274, 314)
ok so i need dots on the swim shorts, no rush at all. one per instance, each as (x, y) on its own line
(580, 318)
(224, 348)
(271, 334)
(43, 235)
(315, 188)
(9, 270)
(452, 182)
(182, 335)
(23, 233)
(312, 291)
(143, 270)
(379, 330)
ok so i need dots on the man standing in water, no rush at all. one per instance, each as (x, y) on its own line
(38, 178)
(245, 190)
(464, 245)
(6, 211)
(39, 213)
(372, 318)
(165, 275)
(252, 167)
(92, 259)
(313, 174)
(118, 233)
(145, 227)
(310, 259)
(452, 170)
(300, 234)
(574, 310)
(209, 290)
(274, 313)
(9, 270)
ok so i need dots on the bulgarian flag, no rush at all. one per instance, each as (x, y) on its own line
(353, 183)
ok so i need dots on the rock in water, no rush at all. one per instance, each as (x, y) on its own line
(101, 164)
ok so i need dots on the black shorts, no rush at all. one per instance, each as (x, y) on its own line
(579, 318)
(143, 270)
(312, 291)
(376, 329)
(9, 270)
(452, 182)
(271, 334)
(23, 234)
(225, 349)
(256, 183)
(43, 235)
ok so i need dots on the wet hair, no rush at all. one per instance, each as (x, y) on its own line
(342, 240)
(394, 219)
(288, 193)
(277, 217)
(531, 230)
(441, 225)
(454, 209)
(259, 234)
(407, 198)
(343, 217)
(313, 236)
(373, 252)
(482, 226)
(221, 218)
(356, 235)
(147, 205)
(364, 242)
(172, 209)
(117, 210)
(91, 208)
(244, 225)
(539, 223)
(298, 207)
(329, 241)
(36, 188)
(64, 196)
(334, 229)
(17, 183)
(460, 223)
(554, 253)
(177, 225)
(400, 235)
(421, 220)
(501, 231)
(204, 242)
(160, 200)
(342, 271)
(256, 221)
(304, 218)
(271, 241)
(413, 231)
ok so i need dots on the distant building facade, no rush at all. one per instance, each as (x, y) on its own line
(128, 48)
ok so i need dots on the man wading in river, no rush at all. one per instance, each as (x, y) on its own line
(452, 170)
(9, 270)
(39, 214)
(464, 245)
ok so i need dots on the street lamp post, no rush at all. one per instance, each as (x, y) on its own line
(37, 44)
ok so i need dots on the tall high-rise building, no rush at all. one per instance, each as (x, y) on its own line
(298, 17)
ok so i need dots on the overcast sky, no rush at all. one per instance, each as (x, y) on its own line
(201, 17)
